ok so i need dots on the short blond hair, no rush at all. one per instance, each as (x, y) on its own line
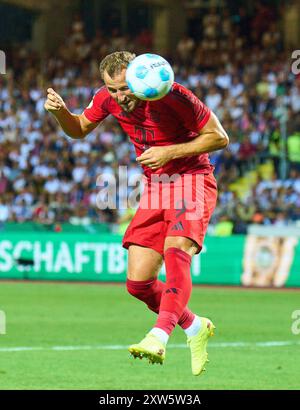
(115, 62)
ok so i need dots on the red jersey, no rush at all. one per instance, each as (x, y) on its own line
(176, 118)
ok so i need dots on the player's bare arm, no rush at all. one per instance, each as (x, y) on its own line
(212, 137)
(75, 126)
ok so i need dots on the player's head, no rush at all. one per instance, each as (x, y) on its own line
(113, 73)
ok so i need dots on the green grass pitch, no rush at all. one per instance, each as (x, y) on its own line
(99, 321)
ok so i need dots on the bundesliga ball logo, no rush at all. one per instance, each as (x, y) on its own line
(149, 77)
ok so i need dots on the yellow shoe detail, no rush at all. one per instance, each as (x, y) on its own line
(150, 348)
(198, 344)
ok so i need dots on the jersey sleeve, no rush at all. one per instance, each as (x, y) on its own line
(98, 108)
(189, 109)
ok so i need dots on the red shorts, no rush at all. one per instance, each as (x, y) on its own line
(180, 208)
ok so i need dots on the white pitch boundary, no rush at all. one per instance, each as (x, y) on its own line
(170, 346)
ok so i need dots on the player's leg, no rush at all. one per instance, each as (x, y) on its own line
(144, 239)
(143, 267)
(172, 222)
(144, 264)
(178, 254)
(187, 224)
(184, 238)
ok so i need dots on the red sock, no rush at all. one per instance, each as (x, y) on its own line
(150, 292)
(177, 291)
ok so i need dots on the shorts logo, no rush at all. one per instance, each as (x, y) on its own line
(172, 290)
(177, 227)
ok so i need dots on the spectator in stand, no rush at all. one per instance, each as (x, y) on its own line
(185, 48)
(4, 212)
(224, 227)
(293, 149)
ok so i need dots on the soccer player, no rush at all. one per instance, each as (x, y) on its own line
(172, 135)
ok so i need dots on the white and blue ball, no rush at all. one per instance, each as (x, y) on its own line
(149, 77)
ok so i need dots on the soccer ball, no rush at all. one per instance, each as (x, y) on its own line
(149, 77)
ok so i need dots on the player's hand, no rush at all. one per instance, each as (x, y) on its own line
(54, 102)
(156, 157)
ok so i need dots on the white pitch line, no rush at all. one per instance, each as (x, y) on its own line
(170, 346)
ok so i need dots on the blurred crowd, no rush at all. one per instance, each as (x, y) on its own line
(238, 67)
(269, 202)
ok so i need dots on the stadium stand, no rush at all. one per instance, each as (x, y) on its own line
(49, 179)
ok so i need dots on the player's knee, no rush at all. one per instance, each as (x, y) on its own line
(131, 289)
(135, 288)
